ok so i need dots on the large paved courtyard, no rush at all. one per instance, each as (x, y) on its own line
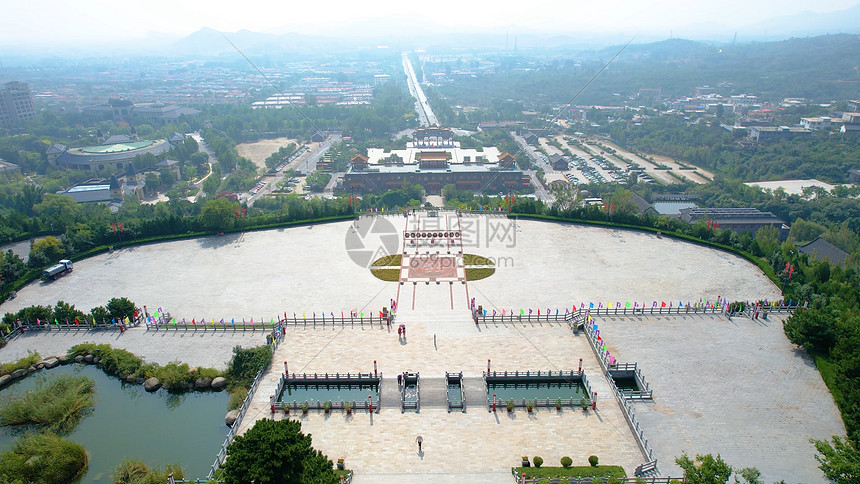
(538, 265)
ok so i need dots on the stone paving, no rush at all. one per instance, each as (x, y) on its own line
(474, 441)
(539, 265)
(724, 386)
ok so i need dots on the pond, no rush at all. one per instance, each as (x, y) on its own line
(157, 428)
(312, 394)
(532, 391)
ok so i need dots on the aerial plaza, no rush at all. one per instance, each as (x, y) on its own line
(402, 324)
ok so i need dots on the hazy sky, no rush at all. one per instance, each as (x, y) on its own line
(41, 22)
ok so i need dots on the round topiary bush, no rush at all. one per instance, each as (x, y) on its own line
(537, 460)
(592, 459)
(566, 461)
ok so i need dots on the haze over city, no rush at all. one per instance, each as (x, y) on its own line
(104, 25)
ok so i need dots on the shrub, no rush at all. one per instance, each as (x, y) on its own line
(592, 459)
(596, 480)
(42, 458)
(246, 363)
(566, 461)
(615, 480)
(174, 376)
(537, 460)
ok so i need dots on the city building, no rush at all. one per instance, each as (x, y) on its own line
(773, 133)
(96, 191)
(736, 219)
(16, 104)
(434, 160)
(7, 168)
(815, 124)
(120, 109)
(115, 153)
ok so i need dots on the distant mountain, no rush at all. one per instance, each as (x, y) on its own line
(804, 24)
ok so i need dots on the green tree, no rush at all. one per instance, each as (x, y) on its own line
(45, 251)
(199, 158)
(276, 452)
(840, 460)
(212, 183)
(706, 469)
(57, 211)
(219, 214)
(64, 312)
(153, 182)
(812, 328)
(247, 362)
(120, 308)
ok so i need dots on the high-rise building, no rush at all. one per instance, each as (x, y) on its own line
(16, 104)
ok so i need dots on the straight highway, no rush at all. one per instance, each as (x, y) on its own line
(422, 106)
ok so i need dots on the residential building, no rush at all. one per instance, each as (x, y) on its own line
(816, 123)
(773, 133)
(7, 168)
(16, 104)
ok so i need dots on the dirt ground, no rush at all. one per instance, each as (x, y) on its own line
(258, 151)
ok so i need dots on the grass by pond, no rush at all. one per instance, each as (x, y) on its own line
(57, 403)
(43, 458)
(25, 362)
(573, 471)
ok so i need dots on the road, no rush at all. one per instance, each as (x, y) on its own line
(422, 106)
(306, 163)
(539, 159)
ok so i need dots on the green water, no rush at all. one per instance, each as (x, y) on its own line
(328, 393)
(532, 391)
(157, 428)
(626, 383)
(454, 394)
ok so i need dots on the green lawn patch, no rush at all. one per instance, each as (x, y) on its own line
(388, 260)
(390, 275)
(574, 471)
(476, 260)
(476, 274)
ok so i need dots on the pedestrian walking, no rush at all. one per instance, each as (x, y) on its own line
(399, 379)
(420, 441)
